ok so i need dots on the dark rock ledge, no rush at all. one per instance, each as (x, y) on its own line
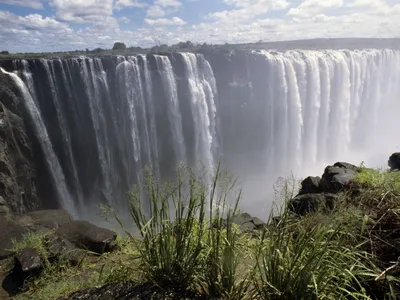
(63, 238)
(319, 192)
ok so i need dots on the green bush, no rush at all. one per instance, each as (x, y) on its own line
(33, 240)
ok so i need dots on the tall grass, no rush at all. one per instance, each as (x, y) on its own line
(220, 278)
(309, 262)
(171, 230)
(188, 240)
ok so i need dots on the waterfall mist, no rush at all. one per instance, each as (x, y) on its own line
(263, 114)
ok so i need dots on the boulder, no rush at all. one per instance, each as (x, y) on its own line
(310, 185)
(29, 262)
(394, 161)
(345, 165)
(44, 221)
(247, 222)
(336, 178)
(303, 204)
(60, 249)
(51, 219)
(87, 236)
(9, 231)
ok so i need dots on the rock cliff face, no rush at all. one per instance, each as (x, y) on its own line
(17, 166)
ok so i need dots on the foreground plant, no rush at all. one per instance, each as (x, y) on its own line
(309, 263)
(183, 246)
(171, 227)
(226, 246)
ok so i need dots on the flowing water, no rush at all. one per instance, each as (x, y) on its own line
(263, 114)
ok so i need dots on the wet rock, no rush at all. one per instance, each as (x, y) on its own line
(9, 231)
(306, 203)
(337, 178)
(29, 262)
(62, 249)
(394, 161)
(51, 219)
(347, 166)
(247, 222)
(310, 185)
(87, 236)
(17, 163)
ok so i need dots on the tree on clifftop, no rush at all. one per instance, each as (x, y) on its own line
(4, 52)
(119, 46)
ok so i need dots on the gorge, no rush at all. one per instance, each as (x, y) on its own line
(96, 122)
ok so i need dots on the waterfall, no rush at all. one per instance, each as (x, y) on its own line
(264, 114)
(327, 105)
(174, 115)
(201, 98)
(151, 117)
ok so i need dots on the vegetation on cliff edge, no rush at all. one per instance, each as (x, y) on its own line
(189, 243)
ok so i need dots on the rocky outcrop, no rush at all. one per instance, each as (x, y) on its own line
(247, 223)
(88, 236)
(316, 192)
(17, 167)
(9, 231)
(28, 262)
(59, 248)
(337, 177)
(310, 185)
(394, 161)
(306, 203)
(62, 238)
(45, 220)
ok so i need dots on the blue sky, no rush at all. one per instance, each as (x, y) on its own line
(60, 25)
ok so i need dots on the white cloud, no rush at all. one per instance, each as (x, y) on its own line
(270, 4)
(312, 7)
(28, 3)
(36, 21)
(124, 20)
(366, 3)
(130, 3)
(244, 21)
(175, 21)
(31, 22)
(155, 11)
(247, 10)
(82, 11)
(168, 3)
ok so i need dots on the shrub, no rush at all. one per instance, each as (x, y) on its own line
(33, 240)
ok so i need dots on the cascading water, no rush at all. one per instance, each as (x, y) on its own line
(174, 114)
(264, 114)
(201, 97)
(57, 176)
